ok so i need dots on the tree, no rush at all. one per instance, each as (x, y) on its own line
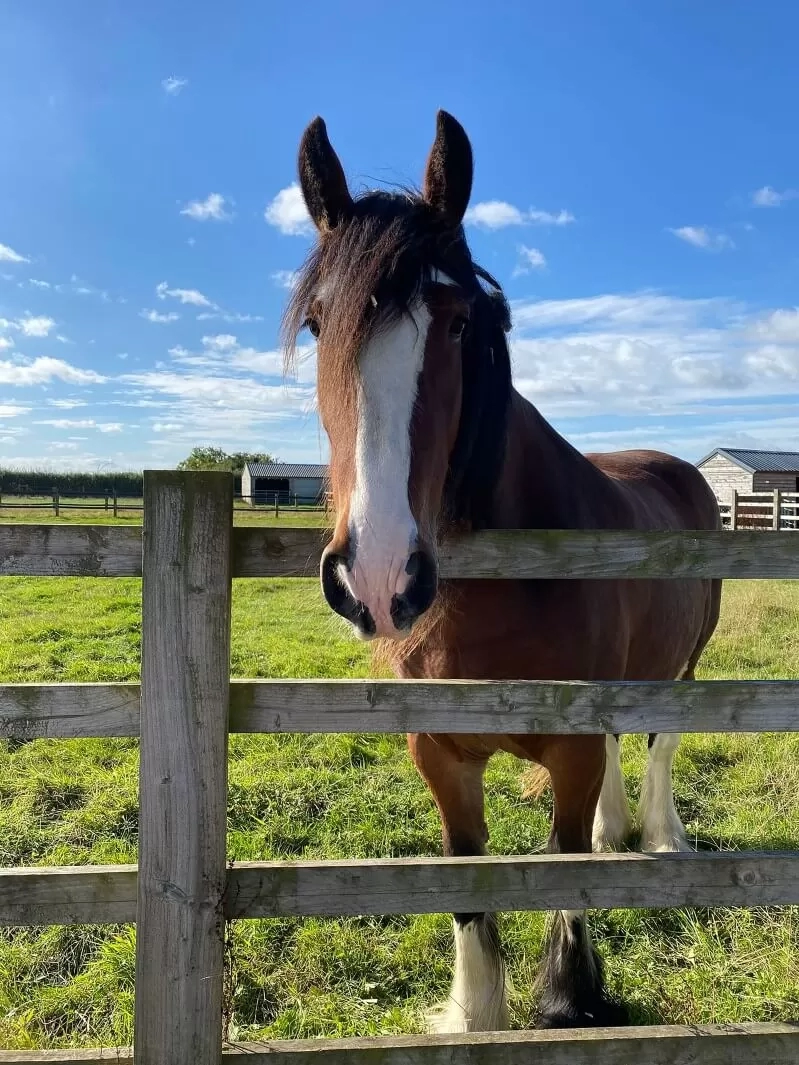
(214, 458)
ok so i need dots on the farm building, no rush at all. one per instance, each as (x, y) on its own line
(262, 481)
(736, 469)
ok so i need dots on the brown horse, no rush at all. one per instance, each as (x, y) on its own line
(428, 436)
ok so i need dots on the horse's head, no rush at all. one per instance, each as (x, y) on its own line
(412, 375)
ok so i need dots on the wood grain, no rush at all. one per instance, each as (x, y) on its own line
(514, 706)
(75, 711)
(186, 598)
(769, 1043)
(70, 551)
(421, 885)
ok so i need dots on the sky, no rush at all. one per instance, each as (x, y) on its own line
(636, 193)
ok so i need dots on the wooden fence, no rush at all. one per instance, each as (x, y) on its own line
(767, 511)
(183, 891)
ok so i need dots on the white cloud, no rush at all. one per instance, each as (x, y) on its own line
(288, 213)
(185, 295)
(6, 342)
(702, 237)
(43, 370)
(220, 342)
(12, 410)
(67, 404)
(212, 208)
(38, 284)
(498, 214)
(529, 259)
(769, 197)
(156, 316)
(35, 327)
(285, 278)
(172, 86)
(227, 316)
(82, 423)
(8, 255)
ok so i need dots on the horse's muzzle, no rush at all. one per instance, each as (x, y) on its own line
(379, 610)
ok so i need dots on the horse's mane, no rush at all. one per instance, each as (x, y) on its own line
(386, 250)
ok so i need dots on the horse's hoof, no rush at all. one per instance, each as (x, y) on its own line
(605, 1014)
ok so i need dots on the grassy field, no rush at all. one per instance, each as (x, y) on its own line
(38, 509)
(66, 802)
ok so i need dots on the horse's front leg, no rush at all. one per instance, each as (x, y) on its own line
(477, 1001)
(571, 982)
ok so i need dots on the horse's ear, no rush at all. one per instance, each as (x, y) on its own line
(448, 175)
(324, 186)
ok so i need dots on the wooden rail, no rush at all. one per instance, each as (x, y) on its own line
(107, 894)
(183, 893)
(115, 551)
(81, 711)
(769, 1043)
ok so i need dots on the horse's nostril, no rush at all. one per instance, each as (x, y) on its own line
(419, 594)
(338, 596)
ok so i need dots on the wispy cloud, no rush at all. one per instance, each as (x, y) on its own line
(43, 370)
(173, 85)
(82, 423)
(39, 284)
(13, 410)
(212, 209)
(32, 326)
(156, 317)
(67, 404)
(498, 214)
(285, 278)
(288, 213)
(8, 255)
(185, 295)
(529, 259)
(769, 197)
(702, 237)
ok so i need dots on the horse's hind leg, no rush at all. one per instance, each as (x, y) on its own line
(571, 979)
(612, 820)
(477, 1000)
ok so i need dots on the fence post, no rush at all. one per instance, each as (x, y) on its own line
(776, 523)
(185, 686)
(277, 506)
(734, 510)
(56, 502)
(106, 502)
(115, 503)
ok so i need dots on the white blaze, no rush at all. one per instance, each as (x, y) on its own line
(382, 528)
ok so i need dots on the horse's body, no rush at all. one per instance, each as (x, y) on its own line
(415, 395)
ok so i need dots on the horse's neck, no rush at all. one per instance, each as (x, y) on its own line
(544, 481)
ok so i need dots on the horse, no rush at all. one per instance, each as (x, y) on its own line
(428, 440)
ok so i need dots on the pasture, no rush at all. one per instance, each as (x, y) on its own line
(68, 802)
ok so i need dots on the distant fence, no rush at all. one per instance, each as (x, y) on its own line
(183, 891)
(112, 502)
(766, 511)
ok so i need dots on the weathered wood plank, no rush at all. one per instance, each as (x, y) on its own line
(90, 894)
(770, 1043)
(532, 882)
(514, 707)
(186, 598)
(68, 711)
(70, 551)
(82, 895)
(113, 551)
(74, 711)
(559, 554)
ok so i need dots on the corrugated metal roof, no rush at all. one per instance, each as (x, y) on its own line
(286, 469)
(759, 461)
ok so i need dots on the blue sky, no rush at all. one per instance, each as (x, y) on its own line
(636, 192)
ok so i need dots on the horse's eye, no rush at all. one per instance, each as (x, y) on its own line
(458, 327)
(313, 327)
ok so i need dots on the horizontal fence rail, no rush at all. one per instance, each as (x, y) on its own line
(83, 711)
(107, 894)
(115, 551)
(769, 1043)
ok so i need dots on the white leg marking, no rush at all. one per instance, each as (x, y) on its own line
(612, 819)
(477, 1001)
(382, 527)
(661, 827)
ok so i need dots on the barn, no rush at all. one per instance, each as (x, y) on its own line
(739, 469)
(302, 482)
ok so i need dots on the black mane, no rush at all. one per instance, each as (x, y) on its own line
(386, 249)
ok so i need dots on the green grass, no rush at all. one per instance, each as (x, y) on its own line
(65, 802)
(38, 510)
